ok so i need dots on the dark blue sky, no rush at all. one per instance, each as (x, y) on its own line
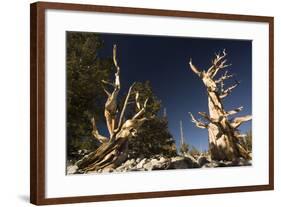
(164, 62)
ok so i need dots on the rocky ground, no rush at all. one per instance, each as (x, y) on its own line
(164, 163)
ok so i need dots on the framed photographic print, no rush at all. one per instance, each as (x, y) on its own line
(130, 103)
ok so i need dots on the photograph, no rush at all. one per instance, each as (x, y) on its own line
(124, 97)
(148, 102)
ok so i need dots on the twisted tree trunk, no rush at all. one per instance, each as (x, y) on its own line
(113, 151)
(224, 136)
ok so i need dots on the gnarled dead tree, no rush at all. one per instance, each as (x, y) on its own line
(113, 150)
(224, 136)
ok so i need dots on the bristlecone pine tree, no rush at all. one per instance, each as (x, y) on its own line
(224, 136)
(114, 149)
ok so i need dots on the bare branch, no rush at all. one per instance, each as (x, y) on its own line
(194, 68)
(224, 77)
(228, 90)
(110, 109)
(117, 74)
(145, 103)
(137, 99)
(234, 111)
(219, 57)
(218, 63)
(115, 58)
(131, 102)
(106, 91)
(96, 134)
(198, 123)
(124, 107)
(221, 66)
(205, 116)
(141, 112)
(108, 83)
(236, 122)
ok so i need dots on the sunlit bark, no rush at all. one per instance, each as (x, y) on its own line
(224, 137)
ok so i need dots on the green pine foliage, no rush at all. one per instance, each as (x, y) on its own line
(85, 95)
(153, 137)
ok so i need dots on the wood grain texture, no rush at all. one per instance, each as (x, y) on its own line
(37, 101)
(37, 106)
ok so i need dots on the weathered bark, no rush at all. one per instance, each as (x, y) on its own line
(110, 108)
(108, 155)
(113, 150)
(224, 137)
